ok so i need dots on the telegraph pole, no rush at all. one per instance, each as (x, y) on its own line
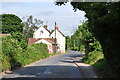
(55, 39)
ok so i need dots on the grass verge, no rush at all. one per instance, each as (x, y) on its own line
(96, 59)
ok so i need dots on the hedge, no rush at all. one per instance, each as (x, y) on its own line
(13, 55)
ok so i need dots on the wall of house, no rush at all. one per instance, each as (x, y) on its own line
(60, 41)
(48, 44)
(38, 34)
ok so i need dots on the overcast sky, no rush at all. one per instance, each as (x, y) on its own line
(64, 16)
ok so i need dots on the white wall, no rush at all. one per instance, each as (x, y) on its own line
(45, 33)
(49, 45)
(60, 40)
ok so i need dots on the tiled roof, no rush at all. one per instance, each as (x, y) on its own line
(33, 40)
(47, 30)
(59, 32)
(5, 34)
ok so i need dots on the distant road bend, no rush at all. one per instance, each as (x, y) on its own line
(59, 66)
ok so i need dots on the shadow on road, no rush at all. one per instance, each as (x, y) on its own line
(63, 68)
(48, 71)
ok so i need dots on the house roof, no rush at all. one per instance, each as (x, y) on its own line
(59, 32)
(47, 30)
(5, 34)
(33, 40)
(44, 28)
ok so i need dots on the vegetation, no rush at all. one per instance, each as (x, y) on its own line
(83, 40)
(54, 54)
(15, 51)
(30, 25)
(103, 23)
(13, 55)
(11, 23)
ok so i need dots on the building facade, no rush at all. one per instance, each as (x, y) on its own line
(55, 40)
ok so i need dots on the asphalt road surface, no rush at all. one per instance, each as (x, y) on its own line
(58, 66)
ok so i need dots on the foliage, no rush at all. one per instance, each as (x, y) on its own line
(68, 42)
(10, 48)
(104, 70)
(104, 21)
(55, 54)
(18, 35)
(14, 56)
(11, 23)
(21, 39)
(82, 39)
(93, 57)
(31, 24)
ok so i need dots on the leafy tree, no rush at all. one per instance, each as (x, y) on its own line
(82, 36)
(21, 39)
(11, 23)
(18, 35)
(68, 42)
(104, 21)
(31, 25)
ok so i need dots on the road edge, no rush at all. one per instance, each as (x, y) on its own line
(87, 70)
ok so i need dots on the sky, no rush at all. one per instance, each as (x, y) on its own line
(65, 17)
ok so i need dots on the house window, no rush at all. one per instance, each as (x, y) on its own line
(54, 44)
(41, 32)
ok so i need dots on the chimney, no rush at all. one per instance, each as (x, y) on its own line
(45, 26)
(56, 28)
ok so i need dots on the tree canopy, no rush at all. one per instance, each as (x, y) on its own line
(11, 23)
(31, 24)
(104, 20)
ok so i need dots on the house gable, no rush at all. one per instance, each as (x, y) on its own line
(42, 32)
(45, 36)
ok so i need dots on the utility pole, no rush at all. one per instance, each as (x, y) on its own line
(55, 39)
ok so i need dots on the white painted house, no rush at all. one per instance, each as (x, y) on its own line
(55, 40)
(42, 32)
(60, 39)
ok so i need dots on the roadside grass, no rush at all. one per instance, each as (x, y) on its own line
(99, 63)
(67, 51)
(55, 54)
(104, 69)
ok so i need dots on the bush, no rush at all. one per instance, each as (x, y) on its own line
(93, 57)
(104, 69)
(14, 55)
(10, 48)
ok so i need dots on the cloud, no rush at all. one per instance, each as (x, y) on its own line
(65, 17)
(47, 13)
(27, 1)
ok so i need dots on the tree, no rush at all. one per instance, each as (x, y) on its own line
(11, 23)
(68, 42)
(83, 37)
(31, 24)
(104, 21)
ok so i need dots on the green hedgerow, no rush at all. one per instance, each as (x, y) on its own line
(14, 55)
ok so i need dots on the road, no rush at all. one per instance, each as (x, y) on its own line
(58, 66)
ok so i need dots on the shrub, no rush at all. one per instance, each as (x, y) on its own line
(93, 57)
(14, 55)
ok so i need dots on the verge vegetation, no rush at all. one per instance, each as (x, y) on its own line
(83, 40)
(14, 55)
(103, 27)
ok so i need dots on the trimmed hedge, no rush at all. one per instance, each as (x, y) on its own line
(13, 55)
